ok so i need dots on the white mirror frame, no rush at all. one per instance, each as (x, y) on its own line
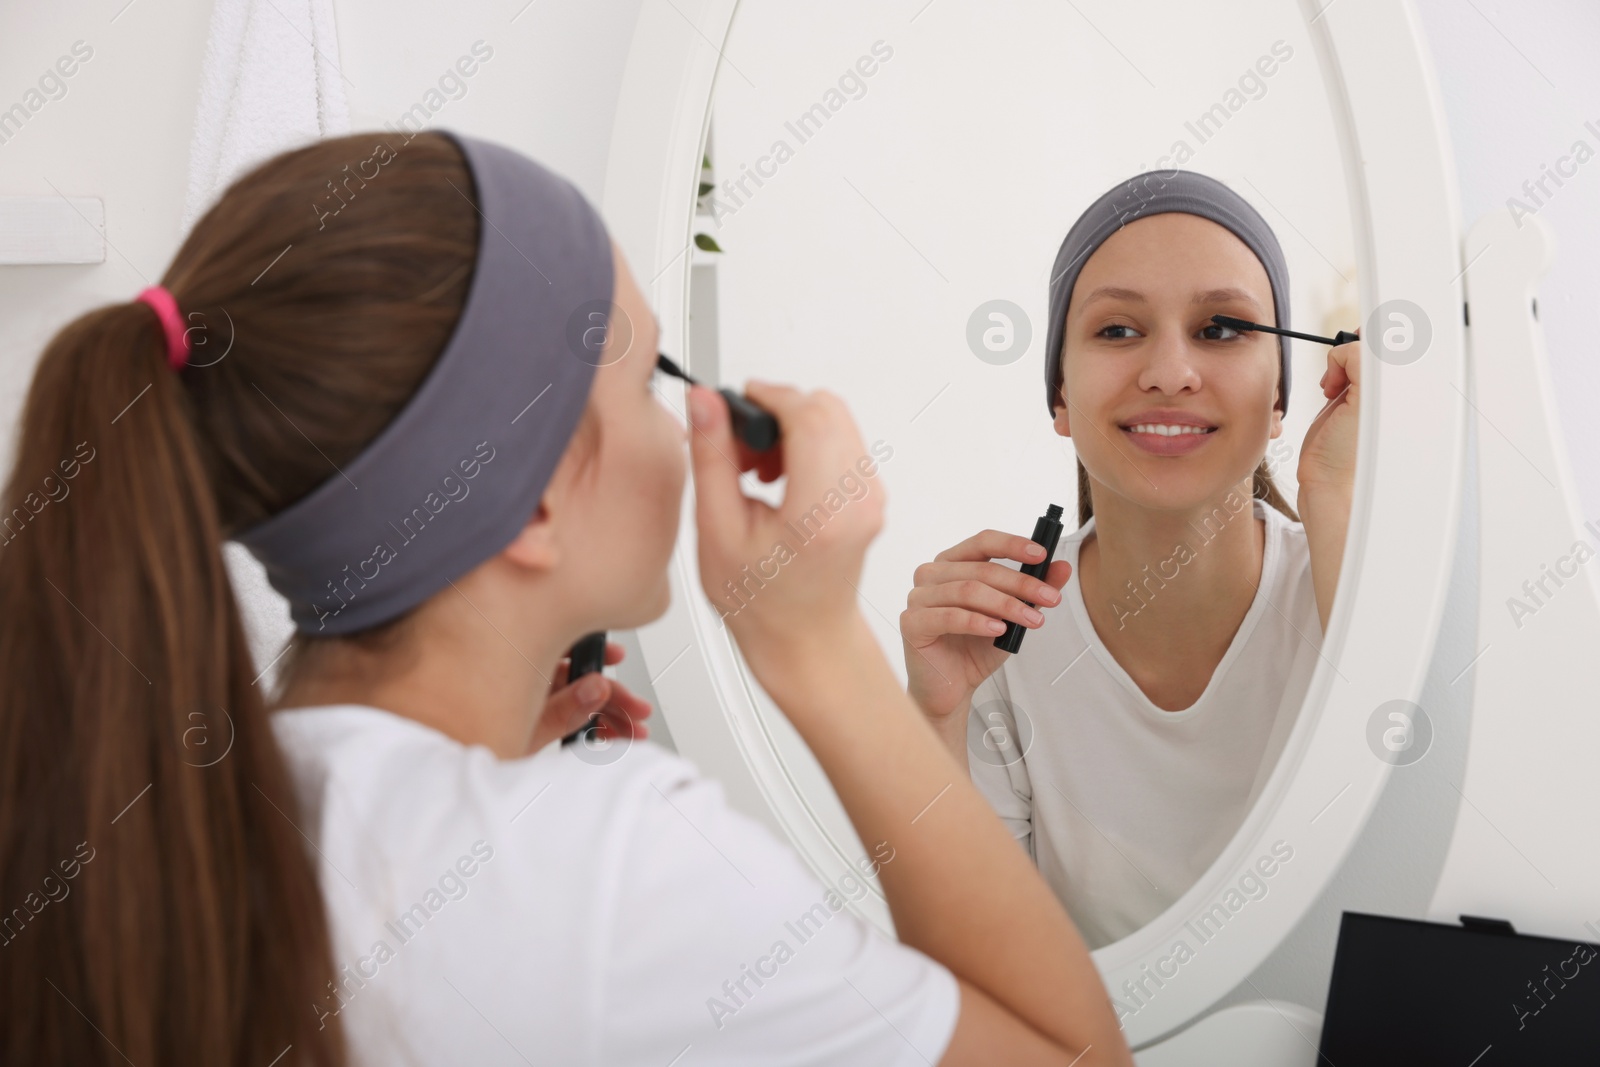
(1380, 638)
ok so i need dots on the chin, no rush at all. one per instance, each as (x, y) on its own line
(655, 605)
(663, 599)
(1174, 496)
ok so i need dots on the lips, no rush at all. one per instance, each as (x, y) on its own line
(1168, 433)
(1167, 429)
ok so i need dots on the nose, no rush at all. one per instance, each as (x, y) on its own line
(1171, 366)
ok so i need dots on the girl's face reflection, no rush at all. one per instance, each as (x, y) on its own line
(1139, 341)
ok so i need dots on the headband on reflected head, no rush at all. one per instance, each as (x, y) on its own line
(1153, 193)
(453, 478)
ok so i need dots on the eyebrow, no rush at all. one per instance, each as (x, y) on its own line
(1209, 296)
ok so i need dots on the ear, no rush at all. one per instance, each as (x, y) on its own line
(534, 547)
(1063, 422)
(1277, 418)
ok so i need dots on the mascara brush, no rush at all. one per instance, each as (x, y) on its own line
(1344, 337)
(754, 425)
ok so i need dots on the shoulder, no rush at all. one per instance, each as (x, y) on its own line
(389, 791)
(1287, 535)
(1287, 573)
(601, 879)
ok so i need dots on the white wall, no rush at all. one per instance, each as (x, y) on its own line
(121, 131)
(1518, 82)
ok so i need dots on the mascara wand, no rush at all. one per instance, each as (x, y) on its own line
(1344, 337)
(752, 424)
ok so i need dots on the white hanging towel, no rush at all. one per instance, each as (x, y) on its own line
(270, 81)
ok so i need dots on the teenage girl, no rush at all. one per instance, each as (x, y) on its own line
(388, 860)
(1127, 739)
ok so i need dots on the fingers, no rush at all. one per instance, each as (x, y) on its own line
(590, 692)
(569, 706)
(778, 399)
(1349, 356)
(921, 625)
(624, 713)
(946, 594)
(782, 400)
(614, 655)
(1344, 369)
(1005, 581)
(994, 544)
(719, 503)
(962, 591)
(976, 595)
(718, 457)
(593, 694)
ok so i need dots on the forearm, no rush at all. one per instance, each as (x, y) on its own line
(1325, 513)
(959, 888)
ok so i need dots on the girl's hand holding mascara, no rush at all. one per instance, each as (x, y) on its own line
(622, 712)
(782, 578)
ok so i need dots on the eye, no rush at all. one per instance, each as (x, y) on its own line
(1213, 326)
(1114, 326)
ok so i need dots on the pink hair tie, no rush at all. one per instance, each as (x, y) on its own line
(166, 308)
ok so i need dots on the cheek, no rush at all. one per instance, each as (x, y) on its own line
(1089, 392)
(1092, 382)
(667, 460)
(1250, 391)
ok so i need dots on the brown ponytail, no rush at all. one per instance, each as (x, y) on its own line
(158, 899)
(1262, 487)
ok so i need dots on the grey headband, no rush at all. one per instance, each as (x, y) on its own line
(1152, 193)
(461, 469)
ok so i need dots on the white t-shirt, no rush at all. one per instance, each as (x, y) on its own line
(550, 910)
(1122, 805)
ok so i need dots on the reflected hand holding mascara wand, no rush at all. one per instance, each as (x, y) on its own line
(1344, 337)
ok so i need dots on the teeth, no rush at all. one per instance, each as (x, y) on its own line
(1165, 430)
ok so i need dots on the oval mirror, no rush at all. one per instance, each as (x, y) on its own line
(869, 199)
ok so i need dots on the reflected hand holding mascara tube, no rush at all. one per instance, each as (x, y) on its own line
(1046, 534)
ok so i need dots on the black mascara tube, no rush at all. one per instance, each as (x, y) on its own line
(588, 656)
(1046, 533)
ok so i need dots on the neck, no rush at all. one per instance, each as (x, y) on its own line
(471, 665)
(1171, 579)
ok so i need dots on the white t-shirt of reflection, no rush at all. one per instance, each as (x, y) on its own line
(1123, 805)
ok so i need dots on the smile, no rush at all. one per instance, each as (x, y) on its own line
(1168, 439)
(1167, 430)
